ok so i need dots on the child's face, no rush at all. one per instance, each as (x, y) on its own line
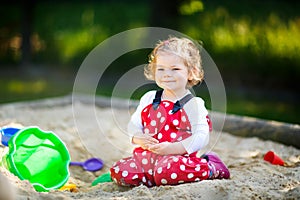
(171, 73)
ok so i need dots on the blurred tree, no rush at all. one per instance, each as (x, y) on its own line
(164, 13)
(27, 22)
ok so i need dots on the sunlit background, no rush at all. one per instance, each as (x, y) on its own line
(255, 45)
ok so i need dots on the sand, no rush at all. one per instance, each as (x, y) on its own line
(251, 176)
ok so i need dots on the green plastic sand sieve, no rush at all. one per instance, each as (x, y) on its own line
(39, 157)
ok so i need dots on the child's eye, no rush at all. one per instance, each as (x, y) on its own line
(160, 69)
(176, 69)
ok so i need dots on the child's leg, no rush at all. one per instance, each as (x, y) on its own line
(125, 172)
(134, 171)
(145, 159)
(217, 167)
(173, 170)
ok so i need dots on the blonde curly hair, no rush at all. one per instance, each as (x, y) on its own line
(183, 48)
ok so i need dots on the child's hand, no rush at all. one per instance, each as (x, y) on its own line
(164, 148)
(144, 140)
(167, 148)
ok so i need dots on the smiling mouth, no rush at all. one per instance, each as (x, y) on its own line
(168, 81)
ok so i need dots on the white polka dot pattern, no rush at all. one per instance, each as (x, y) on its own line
(166, 104)
(190, 175)
(169, 166)
(159, 136)
(182, 167)
(159, 170)
(135, 177)
(158, 114)
(146, 131)
(173, 135)
(132, 165)
(150, 171)
(164, 181)
(145, 161)
(125, 173)
(175, 122)
(167, 127)
(117, 169)
(173, 176)
(153, 123)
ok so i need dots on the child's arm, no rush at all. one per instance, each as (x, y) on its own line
(197, 113)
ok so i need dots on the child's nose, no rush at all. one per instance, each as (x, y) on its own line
(167, 73)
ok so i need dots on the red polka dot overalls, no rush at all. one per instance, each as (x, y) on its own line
(168, 122)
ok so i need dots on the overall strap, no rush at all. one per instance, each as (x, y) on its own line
(157, 99)
(179, 104)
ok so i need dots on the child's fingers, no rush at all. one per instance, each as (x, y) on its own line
(151, 140)
(145, 146)
(154, 147)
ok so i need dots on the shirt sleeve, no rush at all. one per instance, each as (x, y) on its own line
(135, 123)
(196, 113)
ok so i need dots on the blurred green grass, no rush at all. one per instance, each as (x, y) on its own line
(38, 83)
(13, 90)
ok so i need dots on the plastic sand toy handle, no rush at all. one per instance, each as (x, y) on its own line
(92, 164)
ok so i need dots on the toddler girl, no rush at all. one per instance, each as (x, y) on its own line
(170, 125)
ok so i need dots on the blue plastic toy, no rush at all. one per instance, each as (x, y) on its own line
(7, 133)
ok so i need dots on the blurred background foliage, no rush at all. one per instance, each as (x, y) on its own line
(255, 45)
